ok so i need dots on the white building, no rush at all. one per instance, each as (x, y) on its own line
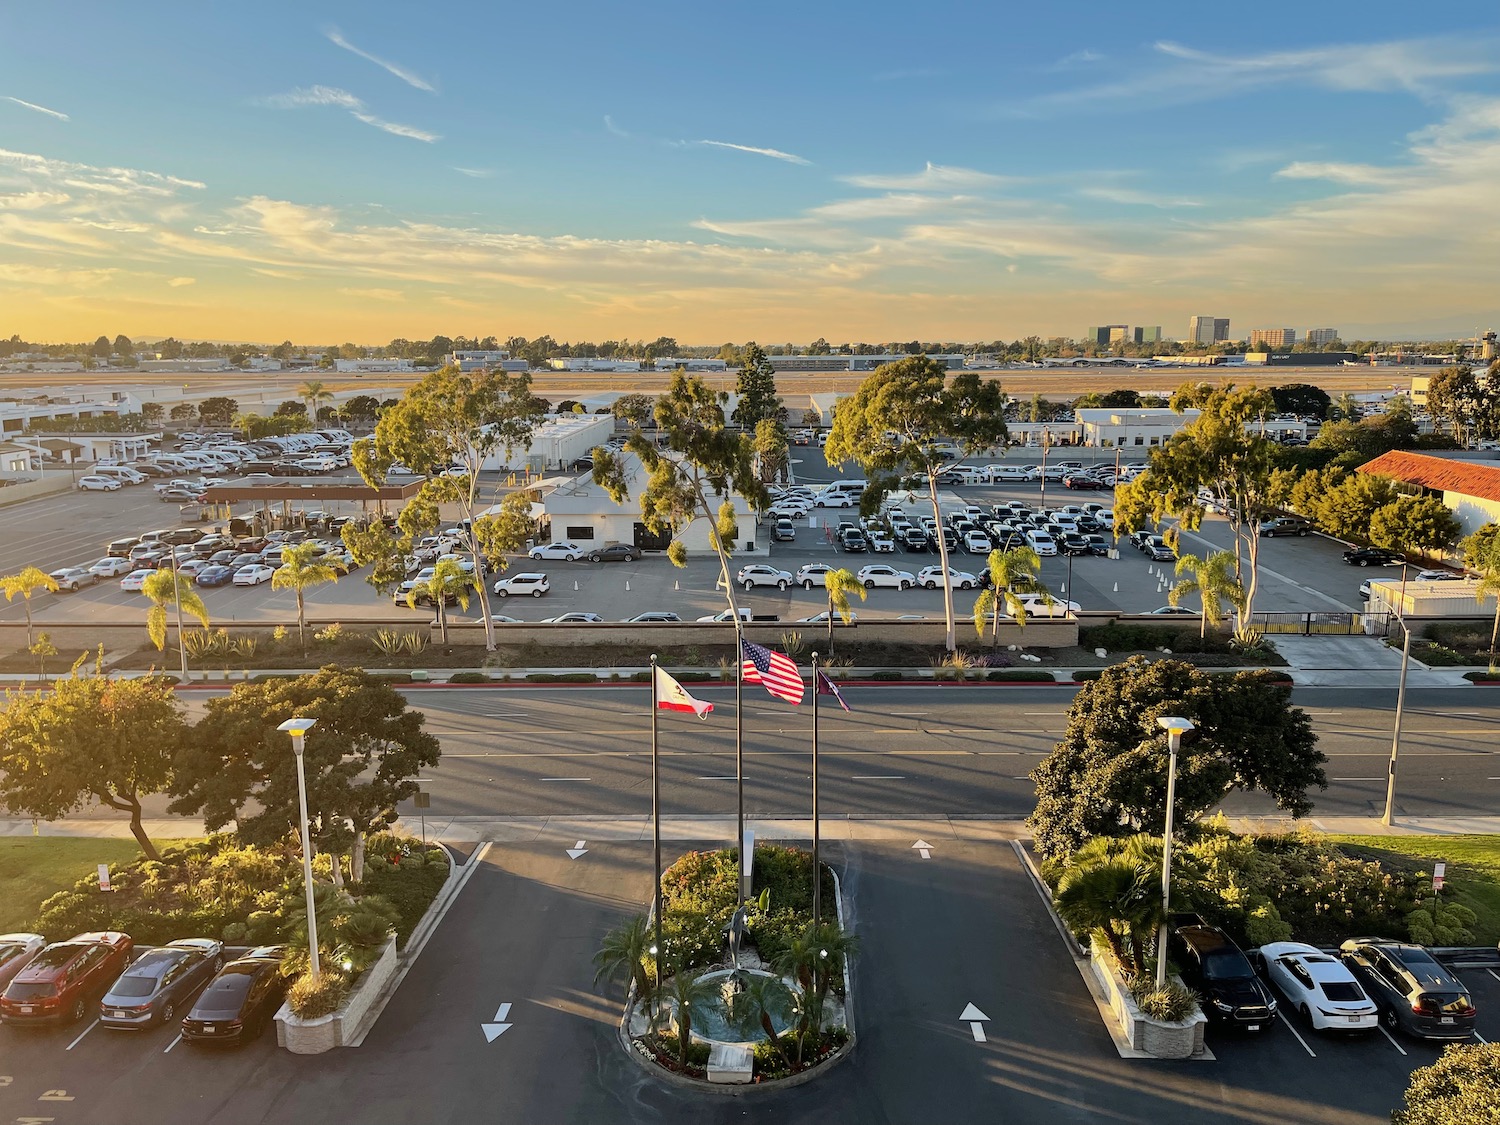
(14, 459)
(373, 365)
(1208, 329)
(496, 359)
(18, 413)
(591, 363)
(1138, 428)
(263, 363)
(183, 365)
(1470, 488)
(68, 448)
(556, 443)
(585, 513)
(673, 363)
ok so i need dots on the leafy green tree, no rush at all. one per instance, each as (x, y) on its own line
(839, 584)
(362, 758)
(1461, 1088)
(380, 549)
(1414, 525)
(42, 648)
(764, 995)
(891, 424)
(362, 409)
(626, 952)
(218, 410)
(89, 740)
(300, 571)
(1481, 552)
(834, 946)
(1347, 409)
(168, 588)
(1108, 775)
(25, 582)
(152, 412)
(756, 387)
(459, 419)
(448, 580)
(183, 412)
(685, 990)
(773, 451)
(1012, 573)
(1217, 456)
(634, 409)
(1346, 509)
(294, 410)
(1457, 398)
(1213, 580)
(712, 465)
(1302, 399)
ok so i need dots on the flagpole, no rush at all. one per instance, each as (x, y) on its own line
(817, 867)
(656, 829)
(739, 751)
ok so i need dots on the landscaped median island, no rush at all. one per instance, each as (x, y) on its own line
(772, 1005)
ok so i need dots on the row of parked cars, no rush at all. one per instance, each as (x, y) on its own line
(200, 457)
(220, 999)
(1367, 983)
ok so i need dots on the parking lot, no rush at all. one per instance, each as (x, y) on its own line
(1297, 574)
(962, 927)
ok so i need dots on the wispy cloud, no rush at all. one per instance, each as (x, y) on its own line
(37, 108)
(336, 37)
(92, 178)
(935, 177)
(1133, 198)
(33, 200)
(1077, 58)
(1357, 174)
(773, 153)
(179, 282)
(475, 173)
(343, 99)
(609, 123)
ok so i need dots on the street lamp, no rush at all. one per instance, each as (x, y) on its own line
(1175, 729)
(298, 729)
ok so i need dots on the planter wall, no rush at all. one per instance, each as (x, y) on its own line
(1159, 1038)
(313, 1037)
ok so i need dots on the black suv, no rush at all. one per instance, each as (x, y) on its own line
(1413, 991)
(1220, 972)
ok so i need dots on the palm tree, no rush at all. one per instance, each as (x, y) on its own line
(834, 946)
(684, 991)
(313, 392)
(762, 995)
(167, 587)
(448, 580)
(1215, 581)
(1106, 898)
(840, 584)
(1011, 573)
(25, 583)
(300, 570)
(625, 952)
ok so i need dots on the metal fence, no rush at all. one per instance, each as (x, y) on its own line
(1309, 624)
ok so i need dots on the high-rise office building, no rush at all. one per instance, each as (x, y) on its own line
(1208, 329)
(1263, 338)
(1144, 335)
(1105, 334)
(1321, 336)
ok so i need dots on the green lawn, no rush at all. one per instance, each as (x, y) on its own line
(33, 868)
(1473, 876)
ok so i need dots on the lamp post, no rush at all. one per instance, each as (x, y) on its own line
(1390, 781)
(1175, 728)
(298, 729)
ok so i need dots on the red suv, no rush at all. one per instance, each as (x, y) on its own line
(65, 979)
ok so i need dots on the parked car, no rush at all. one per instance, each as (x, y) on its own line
(95, 483)
(1159, 552)
(813, 574)
(133, 581)
(1414, 993)
(16, 952)
(517, 584)
(214, 574)
(576, 617)
(238, 1003)
(180, 496)
(253, 575)
(561, 550)
(853, 540)
(1220, 972)
(977, 543)
(881, 543)
(1319, 986)
(784, 531)
(1042, 543)
(160, 982)
(1173, 611)
(915, 539)
(883, 575)
(1284, 525)
(931, 577)
(836, 498)
(653, 617)
(1439, 576)
(760, 574)
(72, 578)
(1075, 543)
(615, 552)
(62, 981)
(1372, 556)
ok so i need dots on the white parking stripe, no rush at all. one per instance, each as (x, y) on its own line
(1481, 1038)
(81, 1034)
(176, 1040)
(1492, 971)
(1286, 1021)
(1394, 1044)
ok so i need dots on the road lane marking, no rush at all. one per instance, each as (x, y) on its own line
(84, 1032)
(1481, 1038)
(176, 1040)
(1394, 1044)
(878, 777)
(1356, 779)
(1287, 1023)
(565, 779)
(1493, 973)
(719, 777)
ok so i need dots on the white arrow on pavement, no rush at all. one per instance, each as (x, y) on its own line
(577, 850)
(973, 1017)
(923, 847)
(493, 1031)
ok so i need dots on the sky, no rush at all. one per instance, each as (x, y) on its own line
(778, 171)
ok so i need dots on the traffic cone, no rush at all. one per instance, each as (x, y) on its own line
(575, 585)
(1117, 587)
(676, 585)
(627, 585)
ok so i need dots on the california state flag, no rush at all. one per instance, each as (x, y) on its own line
(672, 696)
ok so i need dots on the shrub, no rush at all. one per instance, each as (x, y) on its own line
(1263, 925)
(235, 933)
(413, 642)
(1083, 674)
(886, 676)
(387, 641)
(1444, 924)
(332, 634)
(278, 634)
(1170, 1003)
(1481, 678)
(468, 678)
(1021, 675)
(1461, 1088)
(562, 678)
(311, 999)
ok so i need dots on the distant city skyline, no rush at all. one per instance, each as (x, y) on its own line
(271, 171)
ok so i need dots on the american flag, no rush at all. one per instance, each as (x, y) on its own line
(774, 671)
(828, 687)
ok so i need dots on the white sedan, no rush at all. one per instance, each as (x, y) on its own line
(98, 484)
(882, 575)
(832, 499)
(759, 574)
(1319, 986)
(111, 567)
(563, 550)
(931, 577)
(253, 575)
(132, 582)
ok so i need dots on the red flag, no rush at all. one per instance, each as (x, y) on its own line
(775, 671)
(828, 687)
(672, 696)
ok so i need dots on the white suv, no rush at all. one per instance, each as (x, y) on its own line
(931, 577)
(531, 583)
(882, 575)
(759, 574)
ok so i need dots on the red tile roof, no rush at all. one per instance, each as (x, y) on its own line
(1441, 474)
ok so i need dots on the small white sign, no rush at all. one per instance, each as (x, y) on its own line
(1439, 870)
(104, 876)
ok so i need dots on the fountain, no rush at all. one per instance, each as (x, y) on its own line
(721, 1018)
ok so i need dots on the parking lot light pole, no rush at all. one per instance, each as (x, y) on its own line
(1175, 729)
(298, 729)
(1390, 781)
